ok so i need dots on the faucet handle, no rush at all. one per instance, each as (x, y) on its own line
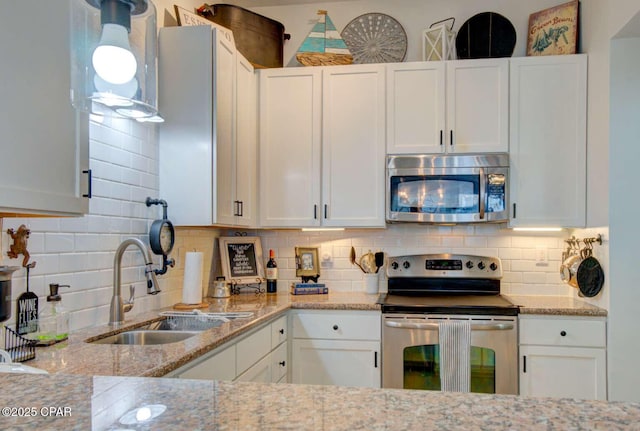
(128, 305)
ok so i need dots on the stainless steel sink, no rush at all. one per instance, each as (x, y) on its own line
(146, 337)
(173, 327)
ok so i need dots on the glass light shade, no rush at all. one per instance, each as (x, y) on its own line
(113, 60)
(130, 96)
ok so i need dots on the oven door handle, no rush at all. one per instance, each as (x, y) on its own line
(434, 326)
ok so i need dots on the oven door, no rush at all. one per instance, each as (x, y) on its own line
(411, 360)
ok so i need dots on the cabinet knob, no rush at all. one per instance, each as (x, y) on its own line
(335, 327)
(281, 331)
(563, 333)
(281, 363)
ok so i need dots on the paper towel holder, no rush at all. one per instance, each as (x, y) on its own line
(162, 236)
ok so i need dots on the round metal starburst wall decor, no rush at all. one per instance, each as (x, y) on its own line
(375, 38)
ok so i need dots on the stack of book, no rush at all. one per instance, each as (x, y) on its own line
(308, 288)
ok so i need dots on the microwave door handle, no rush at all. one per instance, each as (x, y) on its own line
(481, 197)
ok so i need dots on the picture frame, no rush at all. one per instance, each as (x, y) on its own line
(241, 259)
(186, 17)
(307, 262)
(554, 31)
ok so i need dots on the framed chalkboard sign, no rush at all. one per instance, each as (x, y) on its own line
(241, 258)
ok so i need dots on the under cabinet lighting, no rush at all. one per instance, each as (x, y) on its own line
(321, 229)
(538, 229)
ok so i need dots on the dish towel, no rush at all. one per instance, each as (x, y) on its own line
(455, 355)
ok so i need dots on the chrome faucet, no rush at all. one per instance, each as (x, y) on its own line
(118, 305)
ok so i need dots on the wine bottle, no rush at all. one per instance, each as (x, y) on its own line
(272, 273)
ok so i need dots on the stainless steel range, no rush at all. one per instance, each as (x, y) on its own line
(424, 290)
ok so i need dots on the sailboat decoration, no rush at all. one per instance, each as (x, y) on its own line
(323, 45)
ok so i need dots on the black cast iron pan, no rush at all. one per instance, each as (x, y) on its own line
(486, 35)
(590, 277)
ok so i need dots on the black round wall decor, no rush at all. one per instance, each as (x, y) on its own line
(486, 35)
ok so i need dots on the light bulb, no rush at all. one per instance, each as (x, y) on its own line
(112, 59)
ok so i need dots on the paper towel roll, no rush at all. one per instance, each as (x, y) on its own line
(192, 283)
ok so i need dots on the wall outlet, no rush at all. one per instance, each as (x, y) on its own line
(541, 255)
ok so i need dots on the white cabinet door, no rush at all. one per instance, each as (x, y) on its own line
(246, 144)
(259, 372)
(290, 139)
(477, 106)
(415, 107)
(224, 81)
(353, 146)
(221, 366)
(571, 372)
(45, 142)
(548, 141)
(336, 362)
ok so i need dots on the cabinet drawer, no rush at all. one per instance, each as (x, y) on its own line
(252, 348)
(279, 363)
(563, 332)
(278, 331)
(337, 325)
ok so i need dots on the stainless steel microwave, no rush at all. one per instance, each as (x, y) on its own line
(447, 188)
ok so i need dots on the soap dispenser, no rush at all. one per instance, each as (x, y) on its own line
(53, 322)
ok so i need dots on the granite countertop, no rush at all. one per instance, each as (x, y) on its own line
(75, 356)
(102, 403)
(556, 306)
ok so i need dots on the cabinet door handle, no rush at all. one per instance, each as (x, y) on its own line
(281, 331)
(325, 211)
(89, 180)
(524, 364)
(241, 208)
(375, 359)
(441, 137)
(282, 363)
(514, 210)
(335, 327)
(451, 137)
(563, 333)
(315, 212)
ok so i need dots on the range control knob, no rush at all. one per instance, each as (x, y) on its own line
(481, 265)
(394, 265)
(469, 264)
(406, 264)
(493, 266)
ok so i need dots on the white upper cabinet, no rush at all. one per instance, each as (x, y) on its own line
(45, 142)
(208, 140)
(353, 146)
(454, 107)
(548, 141)
(322, 134)
(290, 140)
(416, 107)
(478, 106)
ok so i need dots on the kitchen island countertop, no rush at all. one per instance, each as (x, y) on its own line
(101, 403)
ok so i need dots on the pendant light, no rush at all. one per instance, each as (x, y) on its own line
(113, 60)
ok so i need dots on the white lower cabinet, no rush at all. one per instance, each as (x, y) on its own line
(260, 356)
(336, 348)
(563, 357)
